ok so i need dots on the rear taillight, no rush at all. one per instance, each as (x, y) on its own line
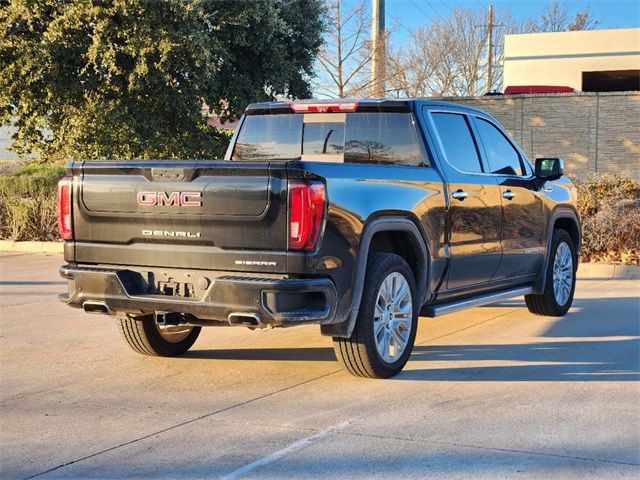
(306, 212)
(65, 220)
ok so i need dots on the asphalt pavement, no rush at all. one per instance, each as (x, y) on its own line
(492, 392)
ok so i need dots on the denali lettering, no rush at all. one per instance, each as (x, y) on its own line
(168, 233)
(163, 199)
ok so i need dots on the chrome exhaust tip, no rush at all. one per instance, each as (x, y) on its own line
(99, 308)
(245, 319)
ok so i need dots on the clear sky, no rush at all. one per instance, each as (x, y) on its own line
(411, 13)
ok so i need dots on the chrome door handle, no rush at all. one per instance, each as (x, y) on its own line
(460, 194)
(509, 195)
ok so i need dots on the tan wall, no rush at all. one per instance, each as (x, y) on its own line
(560, 58)
(592, 133)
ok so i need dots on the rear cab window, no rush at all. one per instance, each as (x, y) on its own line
(390, 138)
(268, 137)
(383, 138)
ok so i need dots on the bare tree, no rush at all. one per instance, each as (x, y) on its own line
(447, 58)
(469, 52)
(555, 17)
(583, 21)
(343, 61)
(423, 66)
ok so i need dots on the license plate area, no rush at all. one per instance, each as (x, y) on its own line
(176, 289)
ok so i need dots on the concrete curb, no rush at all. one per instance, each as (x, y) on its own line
(585, 270)
(40, 247)
(602, 270)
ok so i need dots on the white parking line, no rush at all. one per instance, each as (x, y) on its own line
(299, 445)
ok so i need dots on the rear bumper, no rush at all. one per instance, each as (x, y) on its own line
(273, 300)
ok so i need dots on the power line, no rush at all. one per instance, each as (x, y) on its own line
(447, 7)
(430, 18)
(396, 19)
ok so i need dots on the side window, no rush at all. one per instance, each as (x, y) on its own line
(387, 138)
(268, 137)
(457, 142)
(503, 158)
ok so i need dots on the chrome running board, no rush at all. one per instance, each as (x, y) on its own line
(475, 301)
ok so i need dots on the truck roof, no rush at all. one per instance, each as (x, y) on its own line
(350, 105)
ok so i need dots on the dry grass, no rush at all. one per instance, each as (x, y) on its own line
(609, 208)
(28, 203)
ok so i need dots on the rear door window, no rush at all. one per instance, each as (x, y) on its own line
(269, 137)
(383, 138)
(457, 142)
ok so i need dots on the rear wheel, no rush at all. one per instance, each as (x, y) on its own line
(146, 337)
(560, 283)
(385, 329)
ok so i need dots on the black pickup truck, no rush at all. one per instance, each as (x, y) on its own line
(354, 215)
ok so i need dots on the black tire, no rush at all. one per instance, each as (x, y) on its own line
(546, 303)
(143, 336)
(358, 354)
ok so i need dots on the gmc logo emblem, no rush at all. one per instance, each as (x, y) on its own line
(175, 199)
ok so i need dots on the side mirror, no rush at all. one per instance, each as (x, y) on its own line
(549, 168)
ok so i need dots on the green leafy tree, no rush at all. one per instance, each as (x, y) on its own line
(132, 79)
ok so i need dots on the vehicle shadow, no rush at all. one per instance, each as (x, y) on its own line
(311, 354)
(598, 344)
(605, 360)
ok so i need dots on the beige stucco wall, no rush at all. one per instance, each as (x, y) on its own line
(592, 133)
(559, 58)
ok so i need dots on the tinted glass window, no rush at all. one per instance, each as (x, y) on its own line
(457, 142)
(323, 138)
(389, 138)
(268, 137)
(503, 158)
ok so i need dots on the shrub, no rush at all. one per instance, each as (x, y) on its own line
(609, 208)
(28, 203)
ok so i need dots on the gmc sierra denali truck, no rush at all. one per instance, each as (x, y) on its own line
(354, 215)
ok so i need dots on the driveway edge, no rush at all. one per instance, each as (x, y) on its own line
(36, 247)
(602, 270)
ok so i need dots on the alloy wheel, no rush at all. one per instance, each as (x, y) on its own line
(393, 317)
(562, 274)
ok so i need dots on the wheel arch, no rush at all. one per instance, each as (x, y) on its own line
(386, 234)
(568, 220)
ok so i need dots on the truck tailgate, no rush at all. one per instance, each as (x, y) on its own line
(193, 214)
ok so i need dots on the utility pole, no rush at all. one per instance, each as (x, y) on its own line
(378, 49)
(490, 48)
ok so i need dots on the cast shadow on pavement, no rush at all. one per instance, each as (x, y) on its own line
(599, 343)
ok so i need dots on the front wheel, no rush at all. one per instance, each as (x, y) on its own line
(560, 283)
(144, 336)
(385, 329)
